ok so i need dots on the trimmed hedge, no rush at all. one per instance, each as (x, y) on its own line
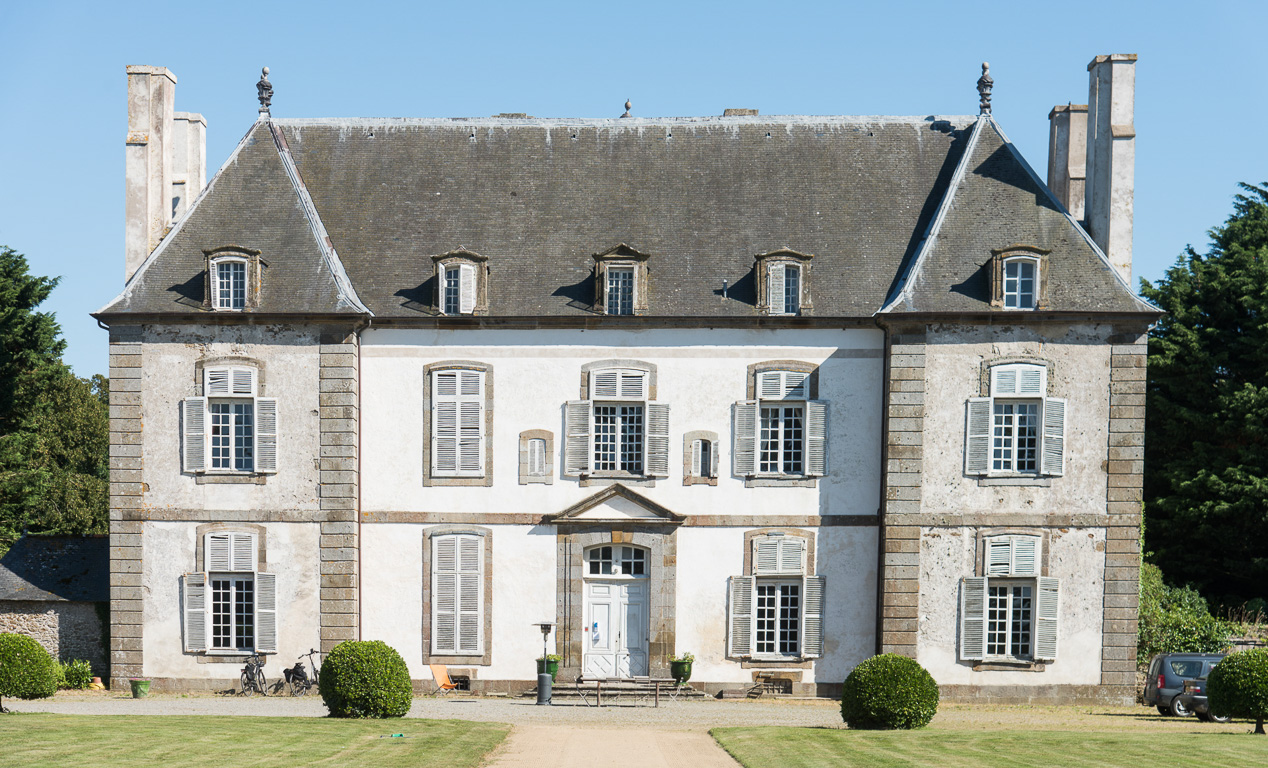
(74, 675)
(1238, 686)
(27, 671)
(365, 678)
(888, 692)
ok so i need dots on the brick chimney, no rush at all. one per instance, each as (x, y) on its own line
(1067, 155)
(166, 160)
(1111, 157)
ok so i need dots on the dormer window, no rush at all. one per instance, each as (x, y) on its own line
(229, 279)
(1019, 278)
(782, 282)
(233, 279)
(621, 281)
(462, 283)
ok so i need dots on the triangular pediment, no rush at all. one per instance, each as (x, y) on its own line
(616, 504)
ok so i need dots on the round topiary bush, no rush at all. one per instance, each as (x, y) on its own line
(1238, 687)
(27, 671)
(889, 691)
(365, 678)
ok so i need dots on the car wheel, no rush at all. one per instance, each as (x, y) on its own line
(1214, 718)
(1179, 708)
(1164, 711)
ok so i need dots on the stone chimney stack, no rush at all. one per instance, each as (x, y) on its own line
(1111, 157)
(166, 161)
(1067, 155)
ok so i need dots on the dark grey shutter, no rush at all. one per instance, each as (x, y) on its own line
(973, 618)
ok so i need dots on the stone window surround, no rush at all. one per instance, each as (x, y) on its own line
(470, 365)
(984, 390)
(979, 569)
(688, 438)
(1017, 250)
(255, 268)
(487, 619)
(599, 479)
(812, 393)
(749, 536)
(537, 434)
(763, 263)
(457, 257)
(621, 255)
(222, 477)
(261, 556)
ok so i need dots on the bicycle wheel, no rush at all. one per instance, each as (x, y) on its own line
(247, 685)
(261, 683)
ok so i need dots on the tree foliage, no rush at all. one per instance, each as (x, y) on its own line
(54, 426)
(1206, 444)
(1176, 619)
(1238, 686)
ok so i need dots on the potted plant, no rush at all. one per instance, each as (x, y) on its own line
(549, 664)
(140, 687)
(680, 667)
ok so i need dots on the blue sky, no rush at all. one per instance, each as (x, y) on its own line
(1201, 104)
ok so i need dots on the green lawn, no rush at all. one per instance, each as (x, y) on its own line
(178, 741)
(796, 747)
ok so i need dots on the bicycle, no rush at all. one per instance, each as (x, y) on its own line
(297, 677)
(252, 678)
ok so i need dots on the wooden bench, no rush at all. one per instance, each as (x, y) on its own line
(642, 686)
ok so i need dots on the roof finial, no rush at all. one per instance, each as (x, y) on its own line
(628, 107)
(265, 89)
(984, 85)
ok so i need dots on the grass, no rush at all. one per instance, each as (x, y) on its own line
(179, 741)
(796, 747)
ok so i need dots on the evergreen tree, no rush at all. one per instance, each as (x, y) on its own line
(1206, 441)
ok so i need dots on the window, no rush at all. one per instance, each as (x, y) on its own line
(1020, 283)
(232, 281)
(620, 281)
(229, 430)
(459, 290)
(782, 282)
(537, 462)
(1010, 613)
(1019, 278)
(230, 607)
(229, 283)
(700, 458)
(457, 423)
(620, 291)
(611, 560)
(536, 457)
(462, 283)
(457, 582)
(776, 611)
(785, 289)
(1018, 430)
(617, 431)
(782, 433)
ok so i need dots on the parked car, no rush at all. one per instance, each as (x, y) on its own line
(1194, 697)
(1164, 683)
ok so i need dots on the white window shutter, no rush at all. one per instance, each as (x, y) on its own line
(470, 438)
(1031, 380)
(218, 552)
(458, 428)
(713, 458)
(1025, 555)
(634, 385)
(766, 555)
(977, 440)
(973, 618)
(1054, 436)
(444, 598)
(770, 385)
(536, 457)
(1019, 380)
(1047, 618)
(775, 288)
(792, 554)
(265, 613)
(194, 433)
(577, 438)
(658, 439)
(999, 556)
(466, 289)
(243, 550)
(744, 435)
(216, 382)
(795, 385)
(740, 621)
(812, 613)
(195, 612)
(816, 438)
(470, 593)
(696, 469)
(605, 385)
(242, 381)
(444, 452)
(266, 434)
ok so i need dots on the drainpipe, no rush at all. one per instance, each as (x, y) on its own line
(881, 510)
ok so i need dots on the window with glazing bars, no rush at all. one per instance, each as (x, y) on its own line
(233, 613)
(778, 618)
(618, 438)
(780, 446)
(1008, 620)
(620, 291)
(792, 289)
(1015, 437)
(1019, 283)
(231, 284)
(453, 291)
(232, 434)
(628, 561)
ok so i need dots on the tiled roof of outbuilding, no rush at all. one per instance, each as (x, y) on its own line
(58, 568)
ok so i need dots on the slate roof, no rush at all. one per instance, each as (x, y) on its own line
(378, 197)
(57, 568)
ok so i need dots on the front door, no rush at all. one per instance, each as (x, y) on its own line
(616, 631)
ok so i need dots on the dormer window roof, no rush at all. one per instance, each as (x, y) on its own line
(620, 281)
(462, 278)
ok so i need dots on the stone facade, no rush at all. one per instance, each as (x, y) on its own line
(66, 630)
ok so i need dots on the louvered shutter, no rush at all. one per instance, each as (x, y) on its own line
(470, 597)
(536, 457)
(1025, 555)
(999, 556)
(744, 435)
(792, 554)
(775, 288)
(242, 381)
(1019, 380)
(577, 438)
(766, 555)
(194, 433)
(266, 434)
(195, 612)
(740, 607)
(816, 438)
(470, 437)
(1054, 436)
(973, 618)
(229, 381)
(444, 598)
(658, 439)
(770, 385)
(458, 423)
(977, 440)
(812, 613)
(265, 613)
(696, 469)
(633, 385)
(466, 289)
(218, 552)
(444, 455)
(1047, 618)
(243, 551)
(713, 458)
(216, 382)
(605, 385)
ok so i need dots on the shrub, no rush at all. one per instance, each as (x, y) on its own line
(365, 678)
(889, 691)
(27, 671)
(75, 674)
(1238, 686)
(1176, 619)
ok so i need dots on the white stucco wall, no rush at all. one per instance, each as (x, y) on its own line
(1076, 556)
(169, 551)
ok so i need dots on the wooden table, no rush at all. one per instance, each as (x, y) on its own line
(642, 685)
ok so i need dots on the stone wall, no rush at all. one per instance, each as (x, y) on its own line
(66, 630)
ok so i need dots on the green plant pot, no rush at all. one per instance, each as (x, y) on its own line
(544, 666)
(680, 670)
(140, 688)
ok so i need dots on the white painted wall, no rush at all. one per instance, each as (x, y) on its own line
(168, 552)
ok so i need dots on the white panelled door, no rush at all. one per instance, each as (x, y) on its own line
(616, 632)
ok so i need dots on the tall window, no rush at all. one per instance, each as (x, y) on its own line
(230, 607)
(780, 451)
(1008, 620)
(1020, 277)
(618, 438)
(537, 457)
(229, 283)
(458, 429)
(792, 289)
(232, 434)
(784, 432)
(618, 431)
(233, 612)
(1011, 611)
(1017, 430)
(453, 290)
(776, 611)
(457, 573)
(620, 291)
(230, 429)
(778, 618)
(1015, 437)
